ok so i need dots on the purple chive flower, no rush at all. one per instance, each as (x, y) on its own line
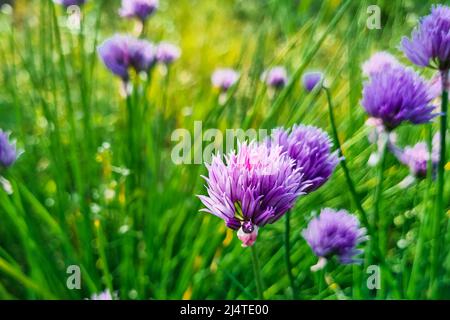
(379, 62)
(397, 95)
(429, 45)
(105, 295)
(276, 77)
(334, 233)
(252, 188)
(224, 79)
(68, 3)
(119, 53)
(140, 9)
(310, 148)
(167, 53)
(8, 150)
(311, 80)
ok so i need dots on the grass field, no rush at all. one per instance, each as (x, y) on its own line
(96, 186)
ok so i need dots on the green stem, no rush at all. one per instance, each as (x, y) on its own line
(380, 222)
(440, 186)
(287, 246)
(257, 273)
(356, 199)
(129, 152)
(351, 185)
(379, 191)
(89, 132)
(322, 282)
(412, 292)
(308, 57)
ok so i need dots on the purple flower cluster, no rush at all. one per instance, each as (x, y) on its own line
(252, 188)
(8, 150)
(224, 79)
(429, 45)
(123, 53)
(259, 183)
(335, 233)
(140, 9)
(68, 3)
(120, 53)
(397, 95)
(275, 77)
(310, 147)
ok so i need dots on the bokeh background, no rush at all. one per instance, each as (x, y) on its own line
(70, 205)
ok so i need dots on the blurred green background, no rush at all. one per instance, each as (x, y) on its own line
(71, 205)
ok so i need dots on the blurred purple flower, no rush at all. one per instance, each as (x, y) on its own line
(105, 295)
(142, 55)
(119, 53)
(252, 188)
(276, 77)
(379, 62)
(8, 150)
(310, 147)
(429, 45)
(378, 135)
(397, 95)
(140, 9)
(68, 3)
(416, 157)
(335, 233)
(167, 53)
(435, 86)
(311, 80)
(224, 79)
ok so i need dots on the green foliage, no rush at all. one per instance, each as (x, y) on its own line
(142, 234)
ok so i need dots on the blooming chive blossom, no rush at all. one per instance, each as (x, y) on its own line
(8, 150)
(310, 147)
(140, 9)
(276, 77)
(311, 80)
(224, 79)
(397, 95)
(251, 188)
(167, 53)
(119, 53)
(335, 233)
(68, 3)
(379, 62)
(429, 45)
